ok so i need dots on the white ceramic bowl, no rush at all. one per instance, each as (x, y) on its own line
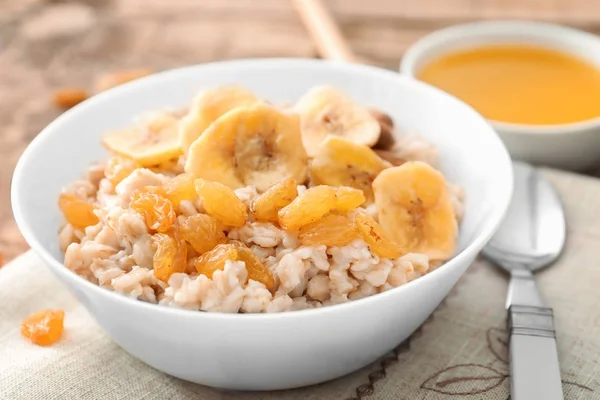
(573, 146)
(266, 351)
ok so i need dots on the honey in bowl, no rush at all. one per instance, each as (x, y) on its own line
(519, 84)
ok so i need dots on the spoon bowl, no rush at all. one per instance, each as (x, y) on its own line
(533, 232)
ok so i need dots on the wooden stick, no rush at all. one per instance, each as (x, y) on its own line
(324, 31)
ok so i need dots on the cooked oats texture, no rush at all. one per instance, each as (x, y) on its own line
(222, 209)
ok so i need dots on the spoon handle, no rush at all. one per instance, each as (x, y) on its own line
(324, 31)
(534, 366)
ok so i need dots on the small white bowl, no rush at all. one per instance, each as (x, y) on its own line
(266, 351)
(574, 146)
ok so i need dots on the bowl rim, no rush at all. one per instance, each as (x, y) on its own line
(498, 28)
(486, 228)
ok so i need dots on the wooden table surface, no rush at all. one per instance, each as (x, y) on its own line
(48, 44)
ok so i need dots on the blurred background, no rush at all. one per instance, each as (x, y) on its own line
(46, 45)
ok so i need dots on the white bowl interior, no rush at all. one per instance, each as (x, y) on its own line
(472, 155)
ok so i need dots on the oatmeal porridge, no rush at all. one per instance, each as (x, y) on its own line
(237, 205)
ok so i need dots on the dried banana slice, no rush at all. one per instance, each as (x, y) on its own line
(415, 209)
(152, 140)
(341, 162)
(325, 110)
(207, 107)
(257, 146)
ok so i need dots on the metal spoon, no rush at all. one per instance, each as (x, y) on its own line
(531, 237)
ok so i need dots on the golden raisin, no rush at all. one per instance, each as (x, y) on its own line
(152, 203)
(69, 97)
(170, 255)
(307, 207)
(347, 198)
(202, 231)
(331, 230)
(373, 234)
(191, 252)
(180, 188)
(257, 271)
(119, 168)
(77, 211)
(266, 206)
(215, 259)
(221, 202)
(44, 327)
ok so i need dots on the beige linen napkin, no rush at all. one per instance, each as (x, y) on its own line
(459, 353)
